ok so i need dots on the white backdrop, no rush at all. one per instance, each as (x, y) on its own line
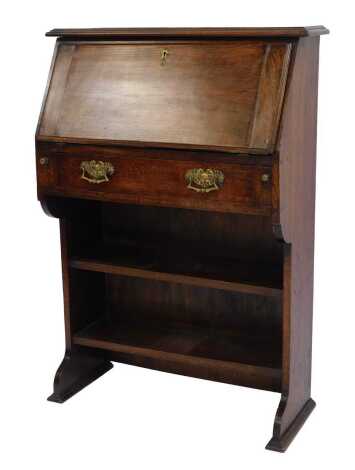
(135, 418)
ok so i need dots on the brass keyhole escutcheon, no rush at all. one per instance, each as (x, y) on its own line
(163, 55)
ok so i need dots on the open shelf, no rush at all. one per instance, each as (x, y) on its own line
(183, 291)
(245, 359)
(174, 264)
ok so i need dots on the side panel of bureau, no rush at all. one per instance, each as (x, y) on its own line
(297, 153)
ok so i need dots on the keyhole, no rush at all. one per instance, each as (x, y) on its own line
(163, 56)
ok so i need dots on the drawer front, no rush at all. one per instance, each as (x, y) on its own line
(216, 184)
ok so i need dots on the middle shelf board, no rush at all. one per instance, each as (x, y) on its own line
(238, 358)
(181, 267)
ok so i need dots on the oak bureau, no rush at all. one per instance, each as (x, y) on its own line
(181, 166)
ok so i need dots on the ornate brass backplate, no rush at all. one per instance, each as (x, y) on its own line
(204, 180)
(96, 171)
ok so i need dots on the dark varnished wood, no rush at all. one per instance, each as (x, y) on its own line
(77, 371)
(217, 286)
(297, 152)
(223, 277)
(198, 33)
(280, 444)
(157, 178)
(165, 254)
(226, 357)
(180, 101)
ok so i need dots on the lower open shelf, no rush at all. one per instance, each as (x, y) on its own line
(216, 355)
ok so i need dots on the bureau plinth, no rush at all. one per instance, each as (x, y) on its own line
(181, 165)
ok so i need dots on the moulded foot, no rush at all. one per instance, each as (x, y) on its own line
(280, 443)
(74, 374)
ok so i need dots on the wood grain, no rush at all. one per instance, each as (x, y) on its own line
(202, 96)
(212, 285)
(223, 279)
(182, 354)
(297, 150)
(158, 181)
(268, 103)
(189, 32)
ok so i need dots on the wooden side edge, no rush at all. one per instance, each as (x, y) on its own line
(297, 161)
(270, 95)
(46, 92)
(316, 30)
(296, 145)
(48, 120)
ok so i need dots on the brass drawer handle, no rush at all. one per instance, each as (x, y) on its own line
(96, 171)
(204, 180)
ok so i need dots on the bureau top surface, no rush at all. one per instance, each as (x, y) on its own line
(296, 31)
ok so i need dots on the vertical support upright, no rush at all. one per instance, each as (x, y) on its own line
(297, 162)
(78, 369)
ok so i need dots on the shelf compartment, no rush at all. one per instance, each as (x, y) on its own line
(171, 264)
(200, 352)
